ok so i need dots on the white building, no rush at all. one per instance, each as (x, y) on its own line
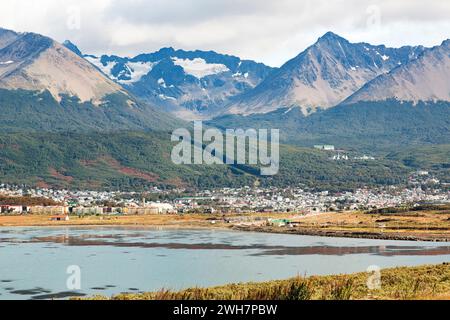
(325, 147)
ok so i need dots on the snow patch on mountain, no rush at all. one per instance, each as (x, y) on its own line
(162, 82)
(383, 56)
(137, 71)
(199, 68)
(164, 97)
(106, 69)
(240, 75)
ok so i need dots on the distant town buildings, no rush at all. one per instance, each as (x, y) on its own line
(364, 158)
(325, 147)
(228, 200)
(340, 156)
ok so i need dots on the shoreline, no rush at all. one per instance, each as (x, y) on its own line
(428, 226)
(311, 233)
(342, 234)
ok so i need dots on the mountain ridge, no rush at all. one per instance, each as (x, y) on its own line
(323, 75)
(190, 84)
(45, 86)
(65, 138)
(35, 62)
(426, 78)
(204, 84)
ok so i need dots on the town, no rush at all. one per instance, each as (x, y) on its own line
(245, 200)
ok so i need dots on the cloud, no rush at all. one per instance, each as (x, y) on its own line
(182, 13)
(268, 31)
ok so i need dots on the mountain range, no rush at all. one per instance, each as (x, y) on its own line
(68, 117)
(43, 85)
(423, 79)
(52, 86)
(189, 84)
(206, 84)
(323, 76)
(405, 101)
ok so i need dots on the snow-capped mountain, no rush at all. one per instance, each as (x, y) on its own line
(425, 79)
(189, 84)
(322, 76)
(45, 85)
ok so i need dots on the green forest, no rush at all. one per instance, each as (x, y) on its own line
(138, 161)
(124, 144)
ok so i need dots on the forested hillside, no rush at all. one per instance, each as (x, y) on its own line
(130, 160)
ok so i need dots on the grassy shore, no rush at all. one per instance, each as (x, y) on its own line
(425, 282)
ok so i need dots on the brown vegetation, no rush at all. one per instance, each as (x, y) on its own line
(27, 201)
(168, 221)
(425, 282)
(427, 225)
(55, 174)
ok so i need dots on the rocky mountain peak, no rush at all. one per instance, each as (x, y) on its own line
(35, 62)
(330, 37)
(446, 43)
(423, 79)
(323, 75)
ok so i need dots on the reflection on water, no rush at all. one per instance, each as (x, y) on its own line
(90, 240)
(33, 261)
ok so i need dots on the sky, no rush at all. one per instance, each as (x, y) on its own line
(269, 31)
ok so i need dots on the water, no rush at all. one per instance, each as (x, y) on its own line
(34, 261)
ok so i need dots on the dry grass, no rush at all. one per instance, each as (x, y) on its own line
(181, 221)
(147, 220)
(425, 282)
(421, 225)
(421, 220)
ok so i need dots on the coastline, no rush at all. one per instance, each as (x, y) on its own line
(342, 234)
(431, 226)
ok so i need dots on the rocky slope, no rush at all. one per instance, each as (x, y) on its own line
(44, 85)
(190, 84)
(424, 79)
(34, 62)
(323, 76)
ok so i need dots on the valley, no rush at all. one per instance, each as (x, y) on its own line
(111, 129)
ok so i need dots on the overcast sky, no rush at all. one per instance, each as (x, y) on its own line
(269, 31)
